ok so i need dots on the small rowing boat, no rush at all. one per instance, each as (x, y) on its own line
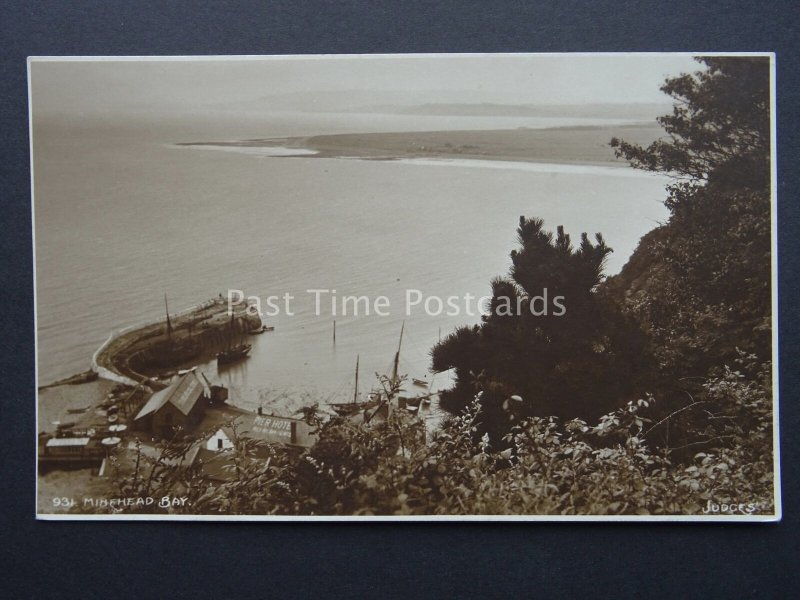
(261, 329)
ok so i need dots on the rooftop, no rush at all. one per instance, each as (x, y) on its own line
(68, 441)
(183, 394)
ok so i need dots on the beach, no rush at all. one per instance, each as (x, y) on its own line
(588, 145)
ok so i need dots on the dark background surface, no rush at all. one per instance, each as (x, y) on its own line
(231, 560)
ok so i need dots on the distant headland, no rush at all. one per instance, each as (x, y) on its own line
(582, 144)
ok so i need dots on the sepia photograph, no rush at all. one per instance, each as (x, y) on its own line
(405, 287)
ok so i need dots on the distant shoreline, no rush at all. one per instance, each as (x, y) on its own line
(587, 145)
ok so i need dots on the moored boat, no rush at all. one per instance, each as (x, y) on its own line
(233, 352)
(348, 409)
(261, 329)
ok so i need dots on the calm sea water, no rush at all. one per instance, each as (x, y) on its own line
(123, 216)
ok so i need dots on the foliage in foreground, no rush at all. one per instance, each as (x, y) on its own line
(554, 468)
(543, 466)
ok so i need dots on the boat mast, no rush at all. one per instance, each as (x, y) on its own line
(169, 323)
(355, 393)
(397, 355)
(230, 333)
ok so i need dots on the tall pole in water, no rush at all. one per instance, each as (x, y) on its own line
(334, 332)
(169, 323)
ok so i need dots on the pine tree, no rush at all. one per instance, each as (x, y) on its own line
(718, 133)
(701, 285)
(577, 362)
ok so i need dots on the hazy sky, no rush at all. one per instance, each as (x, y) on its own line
(311, 83)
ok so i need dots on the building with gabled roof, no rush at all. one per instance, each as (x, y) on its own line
(264, 429)
(220, 440)
(181, 404)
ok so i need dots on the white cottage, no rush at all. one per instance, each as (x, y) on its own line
(220, 440)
